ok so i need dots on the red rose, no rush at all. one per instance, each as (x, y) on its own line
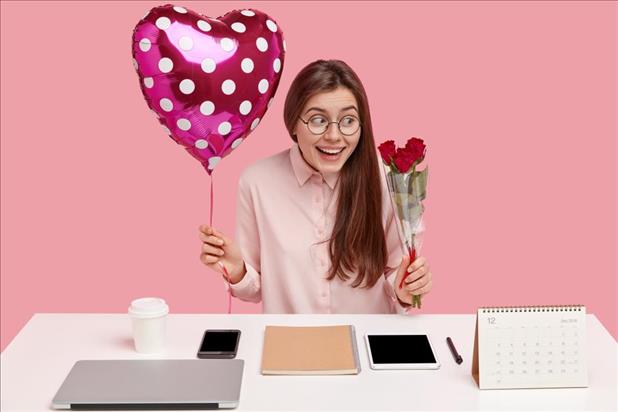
(403, 160)
(387, 151)
(416, 147)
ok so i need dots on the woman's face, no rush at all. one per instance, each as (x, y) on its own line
(328, 151)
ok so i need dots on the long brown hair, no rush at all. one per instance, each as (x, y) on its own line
(357, 242)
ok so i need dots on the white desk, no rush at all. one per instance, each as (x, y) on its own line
(39, 358)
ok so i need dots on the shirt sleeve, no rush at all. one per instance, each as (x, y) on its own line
(247, 236)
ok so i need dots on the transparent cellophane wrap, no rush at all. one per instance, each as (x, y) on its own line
(407, 192)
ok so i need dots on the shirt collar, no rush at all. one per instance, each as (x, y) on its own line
(303, 171)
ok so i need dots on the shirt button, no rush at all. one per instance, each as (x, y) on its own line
(320, 232)
(323, 262)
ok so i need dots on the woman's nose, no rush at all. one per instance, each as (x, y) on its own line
(333, 133)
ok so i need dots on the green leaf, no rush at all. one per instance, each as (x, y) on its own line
(419, 185)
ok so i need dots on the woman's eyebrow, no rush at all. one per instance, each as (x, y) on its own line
(324, 111)
(348, 108)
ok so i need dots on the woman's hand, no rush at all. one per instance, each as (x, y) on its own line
(417, 283)
(217, 249)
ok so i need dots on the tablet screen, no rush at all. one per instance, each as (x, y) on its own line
(400, 349)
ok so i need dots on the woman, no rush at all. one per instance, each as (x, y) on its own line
(315, 229)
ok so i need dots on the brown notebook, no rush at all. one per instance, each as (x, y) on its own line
(310, 350)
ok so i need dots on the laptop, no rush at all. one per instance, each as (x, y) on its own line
(179, 384)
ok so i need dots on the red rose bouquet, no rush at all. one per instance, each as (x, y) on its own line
(407, 187)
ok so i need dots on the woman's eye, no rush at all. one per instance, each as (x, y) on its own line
(318, 121)
(349, 121)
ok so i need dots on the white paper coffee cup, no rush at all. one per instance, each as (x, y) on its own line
(148, 316)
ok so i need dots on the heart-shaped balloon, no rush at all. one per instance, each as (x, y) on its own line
(209, 81)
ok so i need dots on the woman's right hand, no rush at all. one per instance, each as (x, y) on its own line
(218, 249)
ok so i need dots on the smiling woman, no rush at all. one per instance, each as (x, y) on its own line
(315, 230)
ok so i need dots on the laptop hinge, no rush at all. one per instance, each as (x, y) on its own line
(143, 406)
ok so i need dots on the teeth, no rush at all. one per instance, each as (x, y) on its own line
(331, 152)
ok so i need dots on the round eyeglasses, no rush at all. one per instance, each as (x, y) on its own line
(318, 124)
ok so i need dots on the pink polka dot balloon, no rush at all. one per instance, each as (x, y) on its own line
(209, 81)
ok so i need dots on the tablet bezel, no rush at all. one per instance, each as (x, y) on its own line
(379, 366)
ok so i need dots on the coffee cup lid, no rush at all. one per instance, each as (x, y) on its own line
(148, 308)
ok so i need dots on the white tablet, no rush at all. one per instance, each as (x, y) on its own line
(398, 351)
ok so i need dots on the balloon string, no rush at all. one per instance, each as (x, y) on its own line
(227, 275)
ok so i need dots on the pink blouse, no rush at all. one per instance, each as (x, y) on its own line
(285, 214)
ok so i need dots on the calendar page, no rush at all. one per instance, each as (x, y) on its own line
(531, 347)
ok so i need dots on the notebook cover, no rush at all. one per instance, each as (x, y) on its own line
(310, 350)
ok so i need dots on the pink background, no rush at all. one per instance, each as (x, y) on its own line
(516, 100)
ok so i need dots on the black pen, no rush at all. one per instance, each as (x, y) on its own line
(456, 355)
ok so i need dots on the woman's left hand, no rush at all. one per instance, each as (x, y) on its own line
(418, 282)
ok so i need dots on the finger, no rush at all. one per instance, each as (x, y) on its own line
(424, 289)
(222, 236)
(206, 229)
(209, 259)
(417, 274)
(418, 262)
(213, 240)
(417, 284)
(212, 250)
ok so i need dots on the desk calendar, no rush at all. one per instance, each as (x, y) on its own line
(530, 347)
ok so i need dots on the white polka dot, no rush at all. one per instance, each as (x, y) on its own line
(227, 44)
(261, 44)
(166, 104)
(208, 65)
(166, 130)
(238, 27)
(187, 86)
(247, 13)
(201, 144)
(236, 143)
(255, 123)
(185, 43)
(285, 48)
(144, 44)
(203, 25)
(247, 65)
(277, 65)
(183, 124)
(135, 65)
(163, 23)
(207, 108)
(270, 101)
(271, 25)
(213, 161)
(224, 128)
(180, 10)
(228, 87)
(148, 82)
(245, 107)
(263, 86)
(166, 65)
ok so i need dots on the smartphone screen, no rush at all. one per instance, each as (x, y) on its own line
(219, 344)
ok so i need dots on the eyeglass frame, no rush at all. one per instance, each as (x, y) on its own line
(360, 125)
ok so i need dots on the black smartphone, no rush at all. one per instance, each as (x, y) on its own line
(219, 344)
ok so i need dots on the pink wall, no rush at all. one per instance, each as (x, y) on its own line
(517, 101)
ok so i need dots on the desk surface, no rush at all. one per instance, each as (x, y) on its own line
(36, 362)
